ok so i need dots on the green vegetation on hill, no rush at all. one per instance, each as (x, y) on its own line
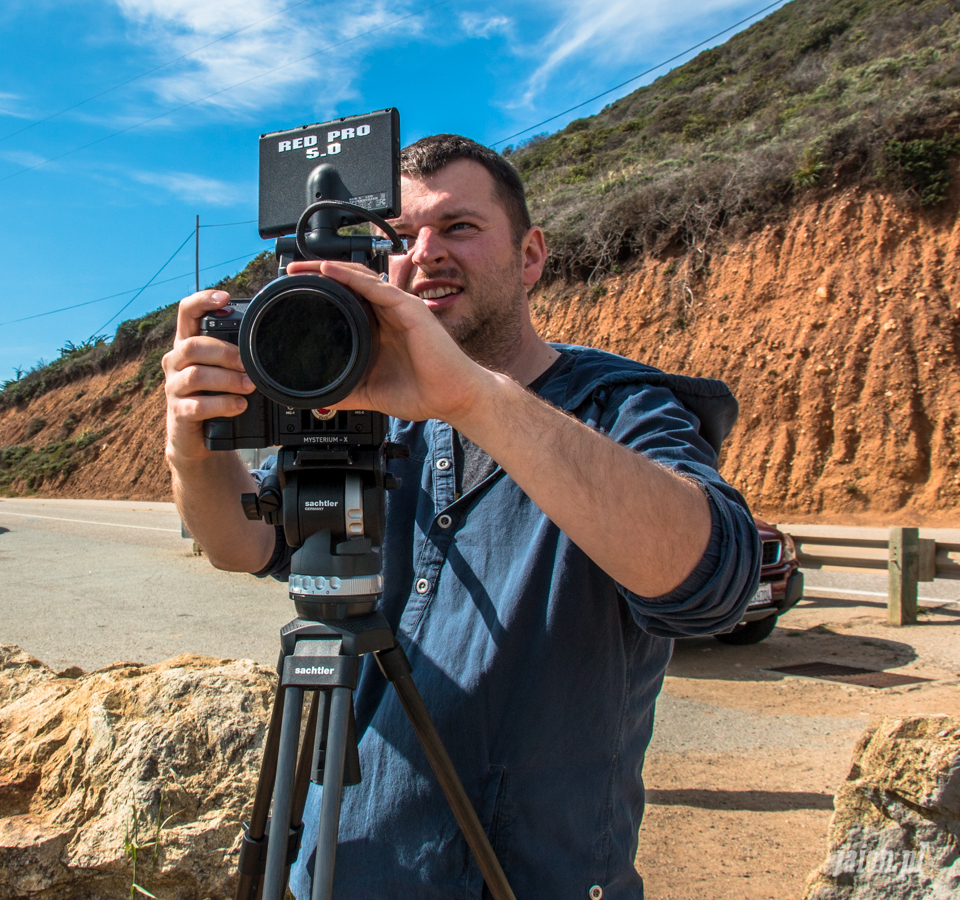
(820, 94)
(150, 336)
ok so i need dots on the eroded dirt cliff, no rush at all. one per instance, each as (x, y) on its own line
(838, 330)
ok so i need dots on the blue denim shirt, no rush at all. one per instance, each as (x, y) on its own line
(540, 671)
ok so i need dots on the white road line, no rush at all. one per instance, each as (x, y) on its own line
(3, 512)
(830, 590)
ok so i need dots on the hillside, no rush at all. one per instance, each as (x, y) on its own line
(778, 213)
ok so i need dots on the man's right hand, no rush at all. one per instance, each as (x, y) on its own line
(207, 490)
(196, 365)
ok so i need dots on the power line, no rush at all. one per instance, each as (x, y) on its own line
(51, 312)
(228, 224)
(175, 109)
(642, 74)
(138, 293)
(169, 62)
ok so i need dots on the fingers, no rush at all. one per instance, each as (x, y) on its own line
(203, 351)
(200, 408)
(359, 278)
(204, 378)
(193, 308)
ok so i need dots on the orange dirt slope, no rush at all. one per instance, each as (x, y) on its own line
(837, 328)
(838, 331)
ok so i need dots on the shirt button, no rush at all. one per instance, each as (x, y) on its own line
(596, 892)
(443, 464)
(444, 521)
(422, 585)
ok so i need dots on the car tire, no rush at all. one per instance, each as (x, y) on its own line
(749, 632)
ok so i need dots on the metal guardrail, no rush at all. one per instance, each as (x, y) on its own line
(901, 552)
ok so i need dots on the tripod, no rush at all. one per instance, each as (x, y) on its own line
(323, 657)
(320, 653)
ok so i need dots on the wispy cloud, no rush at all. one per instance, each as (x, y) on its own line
(8, 104)
(484, 25)
(605, 31)
(190, 187)
(280, 58)
(24, 158)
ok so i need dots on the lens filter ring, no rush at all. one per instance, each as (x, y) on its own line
(306, 341)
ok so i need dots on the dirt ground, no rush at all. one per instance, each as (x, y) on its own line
(744, 762)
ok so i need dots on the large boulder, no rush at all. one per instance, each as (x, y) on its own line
(896, 830)
(131, 774)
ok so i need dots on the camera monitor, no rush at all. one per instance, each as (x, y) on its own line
(364, 150)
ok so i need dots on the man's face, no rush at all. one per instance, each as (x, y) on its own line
(462, 260)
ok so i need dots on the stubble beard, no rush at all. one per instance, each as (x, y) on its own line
(492, 333)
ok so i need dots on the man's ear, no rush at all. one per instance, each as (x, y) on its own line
(533, 250)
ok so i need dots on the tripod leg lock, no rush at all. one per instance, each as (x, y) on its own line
(394, 663)
(253, 853)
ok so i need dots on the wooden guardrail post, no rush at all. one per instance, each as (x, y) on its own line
(903, 572)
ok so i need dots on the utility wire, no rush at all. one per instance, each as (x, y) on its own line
(169, 62)
(51, 312)
(229, 88)
(228, 224)
(641, 75)
(138, 293)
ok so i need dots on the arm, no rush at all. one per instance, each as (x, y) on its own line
(585, 482)
(643, 524)
(207, 484)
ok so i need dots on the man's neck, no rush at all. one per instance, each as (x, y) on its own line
(530, 356)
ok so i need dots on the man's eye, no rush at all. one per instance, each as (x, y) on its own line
(460, 226)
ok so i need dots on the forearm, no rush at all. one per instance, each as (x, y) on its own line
(643, 524)
(207, 493)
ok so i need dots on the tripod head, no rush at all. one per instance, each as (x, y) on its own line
(329, 497)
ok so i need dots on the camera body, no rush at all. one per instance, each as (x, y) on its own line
(307, 341)
(266, 423)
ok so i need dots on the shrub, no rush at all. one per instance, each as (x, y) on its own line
(924, 166)
(35, 426)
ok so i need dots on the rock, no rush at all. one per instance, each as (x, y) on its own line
(895, 832)
(91, 763)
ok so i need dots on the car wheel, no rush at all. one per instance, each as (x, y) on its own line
(749, 632)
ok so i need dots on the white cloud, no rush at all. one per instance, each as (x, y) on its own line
(600, 32)
(279, 57)
(190, 187)
(483, 26)
(8, 104)
(24, 158)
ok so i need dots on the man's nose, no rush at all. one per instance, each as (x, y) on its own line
(429, 248)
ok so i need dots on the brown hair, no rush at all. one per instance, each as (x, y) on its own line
(431, 154)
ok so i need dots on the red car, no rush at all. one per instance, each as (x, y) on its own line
(781, 587)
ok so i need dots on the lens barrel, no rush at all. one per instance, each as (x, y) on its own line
(306, 341)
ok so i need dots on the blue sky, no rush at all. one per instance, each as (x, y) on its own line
(186, 87)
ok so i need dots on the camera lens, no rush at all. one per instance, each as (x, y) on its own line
(306, 341)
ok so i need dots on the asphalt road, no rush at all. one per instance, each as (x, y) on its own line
(87, 583)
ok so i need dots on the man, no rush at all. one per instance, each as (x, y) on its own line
(560, 520)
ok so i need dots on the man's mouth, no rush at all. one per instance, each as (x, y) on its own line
(439, 296)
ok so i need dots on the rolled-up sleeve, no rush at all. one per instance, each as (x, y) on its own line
(713, 597)
(278, 565)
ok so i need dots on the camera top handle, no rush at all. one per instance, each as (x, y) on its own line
(312, 246)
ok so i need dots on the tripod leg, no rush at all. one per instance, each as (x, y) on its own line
(396, 668)
(273, 879)
(302, 783)
(332, 790)
(249, 883)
